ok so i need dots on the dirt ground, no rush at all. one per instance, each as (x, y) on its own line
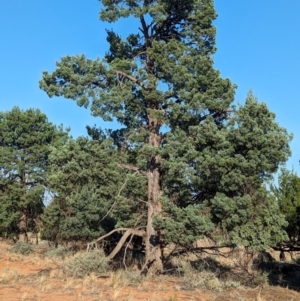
(32, 278)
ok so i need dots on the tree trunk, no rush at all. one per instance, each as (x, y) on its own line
(153, 252)
(23, 228)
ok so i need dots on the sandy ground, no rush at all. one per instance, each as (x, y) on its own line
(31, 278)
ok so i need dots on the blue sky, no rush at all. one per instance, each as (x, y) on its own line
(258, 48)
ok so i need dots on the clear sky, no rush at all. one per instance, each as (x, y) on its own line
(258, 48)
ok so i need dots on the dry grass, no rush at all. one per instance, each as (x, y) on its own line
(4, 248)
(44, 283)
(57, 274)
(174, 298)
(200, 278)
(70, 283)
(8, 275)
(259, 297)
(24, 297)
(41, 278)
(121, 278)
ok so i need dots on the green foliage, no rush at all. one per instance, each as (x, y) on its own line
(181, 143)
(22, 248)
(26, 140)
(83, 264)
(174, 51)
(92, 193)
(214, 182)
(252, 220)
(60, 251)
(287, 194)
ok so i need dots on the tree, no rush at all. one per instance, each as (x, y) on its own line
(223, 171)
(287, 194)
(160, 85)
(26, 138)
(89, 187)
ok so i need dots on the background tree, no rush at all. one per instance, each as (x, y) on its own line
(160, 85)
(287, 194)
(26, 138)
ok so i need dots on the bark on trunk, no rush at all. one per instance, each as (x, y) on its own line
(153, 252)
(23, 228)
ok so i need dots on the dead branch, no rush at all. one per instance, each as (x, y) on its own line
(197, 249)
(132, 79)
(147, 262)
(130, 167)
(93, 243)
(129, 231)
(121, 242)
(125, 252)
(115, 202)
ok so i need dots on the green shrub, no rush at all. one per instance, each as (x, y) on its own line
(83, 264)
(261, 279)
(199, 278)
(22, 248)
(60, 251)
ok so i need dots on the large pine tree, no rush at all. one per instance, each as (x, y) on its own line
(178, 127)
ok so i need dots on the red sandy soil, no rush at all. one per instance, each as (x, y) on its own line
(37, 279)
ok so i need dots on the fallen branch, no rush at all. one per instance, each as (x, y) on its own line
(121, 242)
(94, 242)
(185, 250)
(125, 252)
(115, 251)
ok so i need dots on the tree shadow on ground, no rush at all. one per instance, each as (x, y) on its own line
(282, 274)
(265, 270)
(221, 271)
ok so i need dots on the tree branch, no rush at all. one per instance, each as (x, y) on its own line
(113, 205)
(125, 252)
(121, 242)
(93, 243)
(130, 167)
(133, 79)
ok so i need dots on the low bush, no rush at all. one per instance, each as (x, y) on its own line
(83, 264)
(8, 275)
(60, 251)
(22, 248)
(261, 279)
(202, 279)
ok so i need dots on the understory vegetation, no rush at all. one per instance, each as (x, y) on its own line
(185, 165)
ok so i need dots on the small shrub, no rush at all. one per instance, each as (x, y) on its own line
(200, 279)
(83, 264)
(123, 278)
(8, 275)
(261, 279)
(22, 248)
(60, 251)
(232, 284)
